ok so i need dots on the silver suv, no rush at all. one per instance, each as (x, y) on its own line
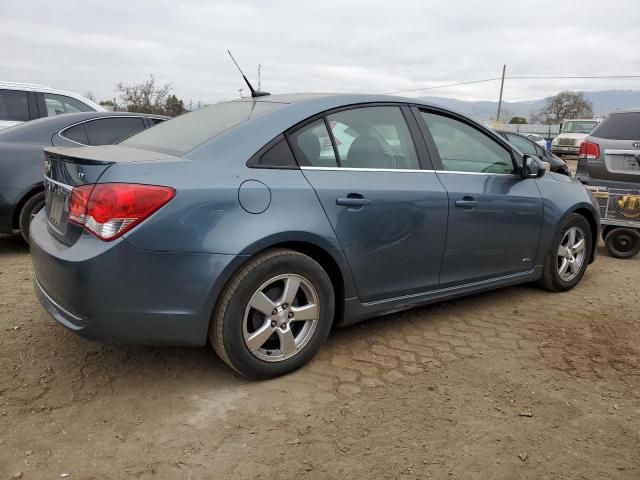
(21, 102)
(610, 155)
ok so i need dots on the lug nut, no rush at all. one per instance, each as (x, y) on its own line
(285, 306)
(275, 312)
(290, 314)
(283, 326)
(273, 323)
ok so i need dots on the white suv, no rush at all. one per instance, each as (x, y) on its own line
(21, 102)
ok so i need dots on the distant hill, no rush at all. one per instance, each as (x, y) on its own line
(603, 101)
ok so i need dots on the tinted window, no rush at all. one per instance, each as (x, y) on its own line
(77, 134)
(58, 104)
(278, 156)
(373, 137)
(462, 148)
(522, 144)
(111, 130)
(186, 132)
(312, 145)
(14, 106)
(619, 126)
(155, 121)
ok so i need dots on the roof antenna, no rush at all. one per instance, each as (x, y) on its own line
(254, 93)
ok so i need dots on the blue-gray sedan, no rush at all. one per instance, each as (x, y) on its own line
(261, 223)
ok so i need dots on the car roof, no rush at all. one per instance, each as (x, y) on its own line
(626, 110)
(34, 87)
(344, 98)
(43, 127)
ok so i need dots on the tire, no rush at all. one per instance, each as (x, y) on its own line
(32, 206)
(623, 242)
(552, 277)
(239, 333)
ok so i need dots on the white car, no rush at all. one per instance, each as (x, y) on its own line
(536, 139)
(21, 102)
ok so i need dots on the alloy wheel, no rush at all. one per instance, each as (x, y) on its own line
(281, 317)
(572, 253)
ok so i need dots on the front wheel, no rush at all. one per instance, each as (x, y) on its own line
(274, 314)
(568, 256)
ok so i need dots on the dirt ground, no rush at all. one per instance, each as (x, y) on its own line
(517, 383)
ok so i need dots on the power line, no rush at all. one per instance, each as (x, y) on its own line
(517, 77)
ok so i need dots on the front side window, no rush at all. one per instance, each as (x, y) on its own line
(463, 148)
(107, 131)
(59, 104)
(14, 105)
(373, 137)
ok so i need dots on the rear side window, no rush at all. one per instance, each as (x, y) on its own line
(107, 131)
(313, 147)
(522, 144)
(186, 132)
(76, 134)
(58, 104)
(14, 105)
(277, 156)
(619, 126)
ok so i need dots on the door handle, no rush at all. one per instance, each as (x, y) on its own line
(466, 202)
(353, 200)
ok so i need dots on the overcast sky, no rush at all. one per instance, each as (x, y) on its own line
(327, 45)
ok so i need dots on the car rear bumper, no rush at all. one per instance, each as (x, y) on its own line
(114, 292)
(565, 150)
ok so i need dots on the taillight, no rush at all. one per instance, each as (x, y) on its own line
(110, 209)
(589, 150)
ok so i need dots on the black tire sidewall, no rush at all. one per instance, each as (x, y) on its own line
(232, 328)
(552, 278)
(24, 220)
(613, 234)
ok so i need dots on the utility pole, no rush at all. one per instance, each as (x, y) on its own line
(504, 68)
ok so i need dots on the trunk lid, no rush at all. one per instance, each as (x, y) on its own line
(620, 158)
(66, 168)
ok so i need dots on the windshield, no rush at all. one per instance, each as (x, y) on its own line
(186, 132)
(579, 126)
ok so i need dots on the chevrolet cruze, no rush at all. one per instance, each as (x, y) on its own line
(261, 223)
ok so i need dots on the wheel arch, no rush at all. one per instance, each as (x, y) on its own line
(319, 249)
(594, 223)
(15, 216)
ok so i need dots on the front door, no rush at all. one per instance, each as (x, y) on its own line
(495, 217)
(388, 214)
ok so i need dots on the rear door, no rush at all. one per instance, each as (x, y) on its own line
(618, 139)
(495, 217)
(389, 214)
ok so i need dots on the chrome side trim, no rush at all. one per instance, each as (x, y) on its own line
(631, 153)
(60, 184)
(349, 169)
(457, 172)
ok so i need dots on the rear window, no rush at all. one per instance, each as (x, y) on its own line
(186, 132)
(619, 126)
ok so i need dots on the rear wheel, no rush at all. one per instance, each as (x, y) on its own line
(568, 256)
(28, 211)
(274, 314)
(623, 242)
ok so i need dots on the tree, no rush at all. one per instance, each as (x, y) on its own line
(518, 121)
(145, 97)
(106, 103)
(567, 105)
(174, 106)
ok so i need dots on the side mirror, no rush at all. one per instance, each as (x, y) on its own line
(532, 167)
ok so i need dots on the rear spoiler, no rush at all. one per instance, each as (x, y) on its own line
(107, 154)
